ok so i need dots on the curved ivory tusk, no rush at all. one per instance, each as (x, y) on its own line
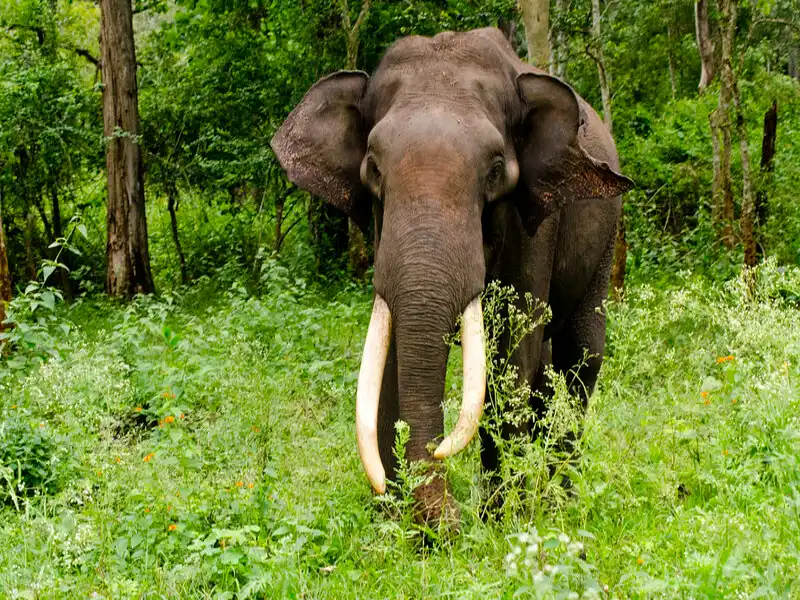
(474, 364)
(370, 377)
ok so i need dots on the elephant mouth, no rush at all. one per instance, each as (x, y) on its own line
(370, 376)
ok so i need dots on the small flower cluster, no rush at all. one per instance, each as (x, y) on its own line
(550, 564)
(723, 359)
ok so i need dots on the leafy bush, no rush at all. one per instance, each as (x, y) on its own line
(30, 461)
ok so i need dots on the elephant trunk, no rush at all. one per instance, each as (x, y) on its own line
(424, 281)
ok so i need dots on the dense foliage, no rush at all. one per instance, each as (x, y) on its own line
(198, 443)
(217, 78)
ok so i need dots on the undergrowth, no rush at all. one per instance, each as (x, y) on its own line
(201, 445)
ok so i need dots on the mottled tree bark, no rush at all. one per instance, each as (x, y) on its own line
(721, 122)
(704, 44)
(767, 166)
(127, 254)
(559, 51)
(748, 202)
(536, 17)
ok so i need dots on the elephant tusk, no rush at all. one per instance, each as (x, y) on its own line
(474, 365)
(370, 377)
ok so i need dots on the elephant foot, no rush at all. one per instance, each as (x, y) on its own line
(434, 505)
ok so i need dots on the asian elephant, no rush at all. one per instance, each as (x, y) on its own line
(476, 167)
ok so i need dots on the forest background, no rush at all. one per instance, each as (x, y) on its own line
(703, 101)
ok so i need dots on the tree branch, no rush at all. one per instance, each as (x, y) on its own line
(37, 30)
(88, 56)
(362, 15)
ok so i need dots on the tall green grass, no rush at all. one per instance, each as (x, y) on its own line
(202, 446)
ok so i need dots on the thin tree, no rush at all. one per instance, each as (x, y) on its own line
(127, 255)
(5, 275)
(767, 165)
(620, 243)
(357, 245)
(599, 59)
(748, 200)
(673, 86)
(558, 43)
(705, 45)
(722, 190)
(172, 207)
(536, 17)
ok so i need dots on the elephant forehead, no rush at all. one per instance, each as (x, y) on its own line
(439, 83)
(429, 132)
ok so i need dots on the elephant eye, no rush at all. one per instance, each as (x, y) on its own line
(496, 171)
(372, 168)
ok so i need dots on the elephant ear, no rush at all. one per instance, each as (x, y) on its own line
(554, 167)
(323, 140)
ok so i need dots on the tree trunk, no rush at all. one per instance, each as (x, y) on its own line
(356, 244)
(620, 244)
(357, 251)
(793, 69)
(605, 78)
(671, 60)
(30, 258)
(620, 258)
(536, 17)
(5, 275)
(748, 203)
(767, 166)
(704, 44)
(58, 232)
(722, 117)
(172, 207)
(716, 161)
(127, 254)
(560, 44)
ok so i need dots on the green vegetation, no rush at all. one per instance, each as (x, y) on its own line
(199, 442)
(201, 445)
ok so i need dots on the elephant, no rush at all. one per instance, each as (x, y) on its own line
(473, 166)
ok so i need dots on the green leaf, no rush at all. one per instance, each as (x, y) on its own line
(121, 545)
(49, 300)
(47, 271)
(230, 557)
(82, 230)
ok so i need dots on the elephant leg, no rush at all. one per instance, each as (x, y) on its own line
(584, 333)
(526, 263)
(389, 412)
(578, 347)
(527, 361)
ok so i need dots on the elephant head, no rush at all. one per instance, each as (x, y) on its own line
(447, 128)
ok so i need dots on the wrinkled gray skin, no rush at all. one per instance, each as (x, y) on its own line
(477, 167)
